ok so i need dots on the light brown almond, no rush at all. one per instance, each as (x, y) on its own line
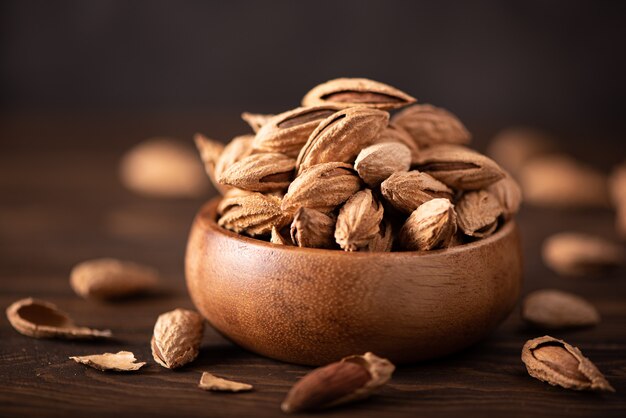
(341, 136)
(122, 361)
(429, 125)
(210, 151)
(478, 213)
(377, 162)
(406, 191)
(579, 254)
(322, 187)
(108, 278)
(256, 120)
(163, 167)
(430, 226)
(349, 92)
(514, 147)
(260, 172)
(252, 213)
(288, 132)
(238, 148)
(211, 382)
(358, 221)
(563, 182)
(394, 133)
(556, 362)
(227, 199)
(312, 228)
(459, 167)
(555, 309)
(351, 379)
(39, 319)
(176, 339)
(508, 193)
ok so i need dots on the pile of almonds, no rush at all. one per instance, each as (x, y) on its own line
(341, 172)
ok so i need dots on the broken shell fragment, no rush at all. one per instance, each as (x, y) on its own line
(211, 382)
(40, 319)
(122, 361)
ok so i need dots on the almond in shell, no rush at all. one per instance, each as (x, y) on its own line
(341, 136)
(176, 339)
(349, 92)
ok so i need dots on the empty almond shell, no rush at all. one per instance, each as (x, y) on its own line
(40, 319)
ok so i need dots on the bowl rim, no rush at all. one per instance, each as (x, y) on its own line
(207, 215)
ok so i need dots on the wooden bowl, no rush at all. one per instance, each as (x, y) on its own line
(313, 306)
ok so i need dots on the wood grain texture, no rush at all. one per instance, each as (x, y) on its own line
(61, 203)
(315, 306)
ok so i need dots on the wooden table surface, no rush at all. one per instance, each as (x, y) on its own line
(61, 202)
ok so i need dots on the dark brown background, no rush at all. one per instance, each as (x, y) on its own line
(558, 64)
(81, 82)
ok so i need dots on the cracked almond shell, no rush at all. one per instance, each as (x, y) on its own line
(431, 226)
(252, 213)
(39, 319)
(349, 92)
(459, 167)
(289, 131)
(341, 136)
(260, 172)
(556, 362)
(379, 161)
(313, 229)
(322, 187)
(478, 213)
(406, 191)
(358, 221)
(429, 125)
